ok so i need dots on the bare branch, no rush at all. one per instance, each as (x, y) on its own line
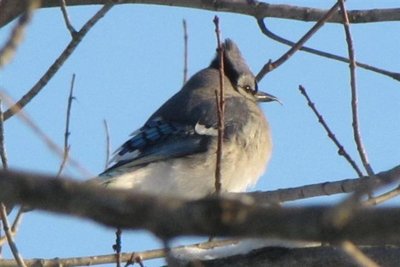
(220, 102)
(67, 132)
(327, 188)
(169, 217)
(356, 254)
(3, 154)
(118, 246)
(67, 21)
(272, 65)
(14, 227)
(58, 63)
(269, 34)
(354, 95)
(9, 48)
(257, 9)
(10, 239)
(42, 135)
(108, 143)
(341, 150)
(4, 162)
(185, 51)
(275, 256)
(373, 201)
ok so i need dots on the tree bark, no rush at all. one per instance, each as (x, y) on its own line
(10, 9)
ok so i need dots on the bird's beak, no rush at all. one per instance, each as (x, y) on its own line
(265, 97)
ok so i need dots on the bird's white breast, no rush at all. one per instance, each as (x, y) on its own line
(194, 177)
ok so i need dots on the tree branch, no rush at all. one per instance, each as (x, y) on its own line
(326, 188)
(220, 103)
(279, 39)
(10, 239)
(299, 44)
(9, 48)
(169, 217)
(341, 150)
(268, 256)
(58, 63)
(67, 123)
(12, 9)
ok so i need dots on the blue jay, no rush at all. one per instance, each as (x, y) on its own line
(174, 153)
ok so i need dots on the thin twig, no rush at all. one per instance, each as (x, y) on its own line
(356, 254)
(17, 220)
(118, 247)
(42, 135)
(14, 227)
(354, 96)
(220, 102)
(130, 258)
(373, 201)
(385, 178)
(20, 104)
(67, 131)
(3, 153)
(273, 36)
(272, 65)
(108, 143)
(343, 212)
(4, 160)
(341, 150)
(167, 249)
(135, 258)
(185, 51)
(8, 50)
(10, 240)
(70, 28)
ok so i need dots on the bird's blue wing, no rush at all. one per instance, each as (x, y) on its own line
(159, 140)
(173, 133)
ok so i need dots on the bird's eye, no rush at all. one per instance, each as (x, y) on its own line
(249, 89)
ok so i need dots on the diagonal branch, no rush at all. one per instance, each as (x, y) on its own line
(341, 150)
(9, 48)
(58, 63)
(10, 239)
(356, 254)
(42, 135)
(381, 179)
(273, 65)
(67, 21)
(373, 201)
(273, 36)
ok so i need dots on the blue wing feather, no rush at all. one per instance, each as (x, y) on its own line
(171, 132)
(158, 140)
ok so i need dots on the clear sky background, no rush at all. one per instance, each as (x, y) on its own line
(132, 61)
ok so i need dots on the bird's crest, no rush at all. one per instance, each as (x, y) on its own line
(234, 63)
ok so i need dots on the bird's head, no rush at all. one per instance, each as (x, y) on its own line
(239, 74)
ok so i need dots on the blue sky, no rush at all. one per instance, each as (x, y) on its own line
(132, 61)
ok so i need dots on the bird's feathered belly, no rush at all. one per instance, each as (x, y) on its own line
(194, 177)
